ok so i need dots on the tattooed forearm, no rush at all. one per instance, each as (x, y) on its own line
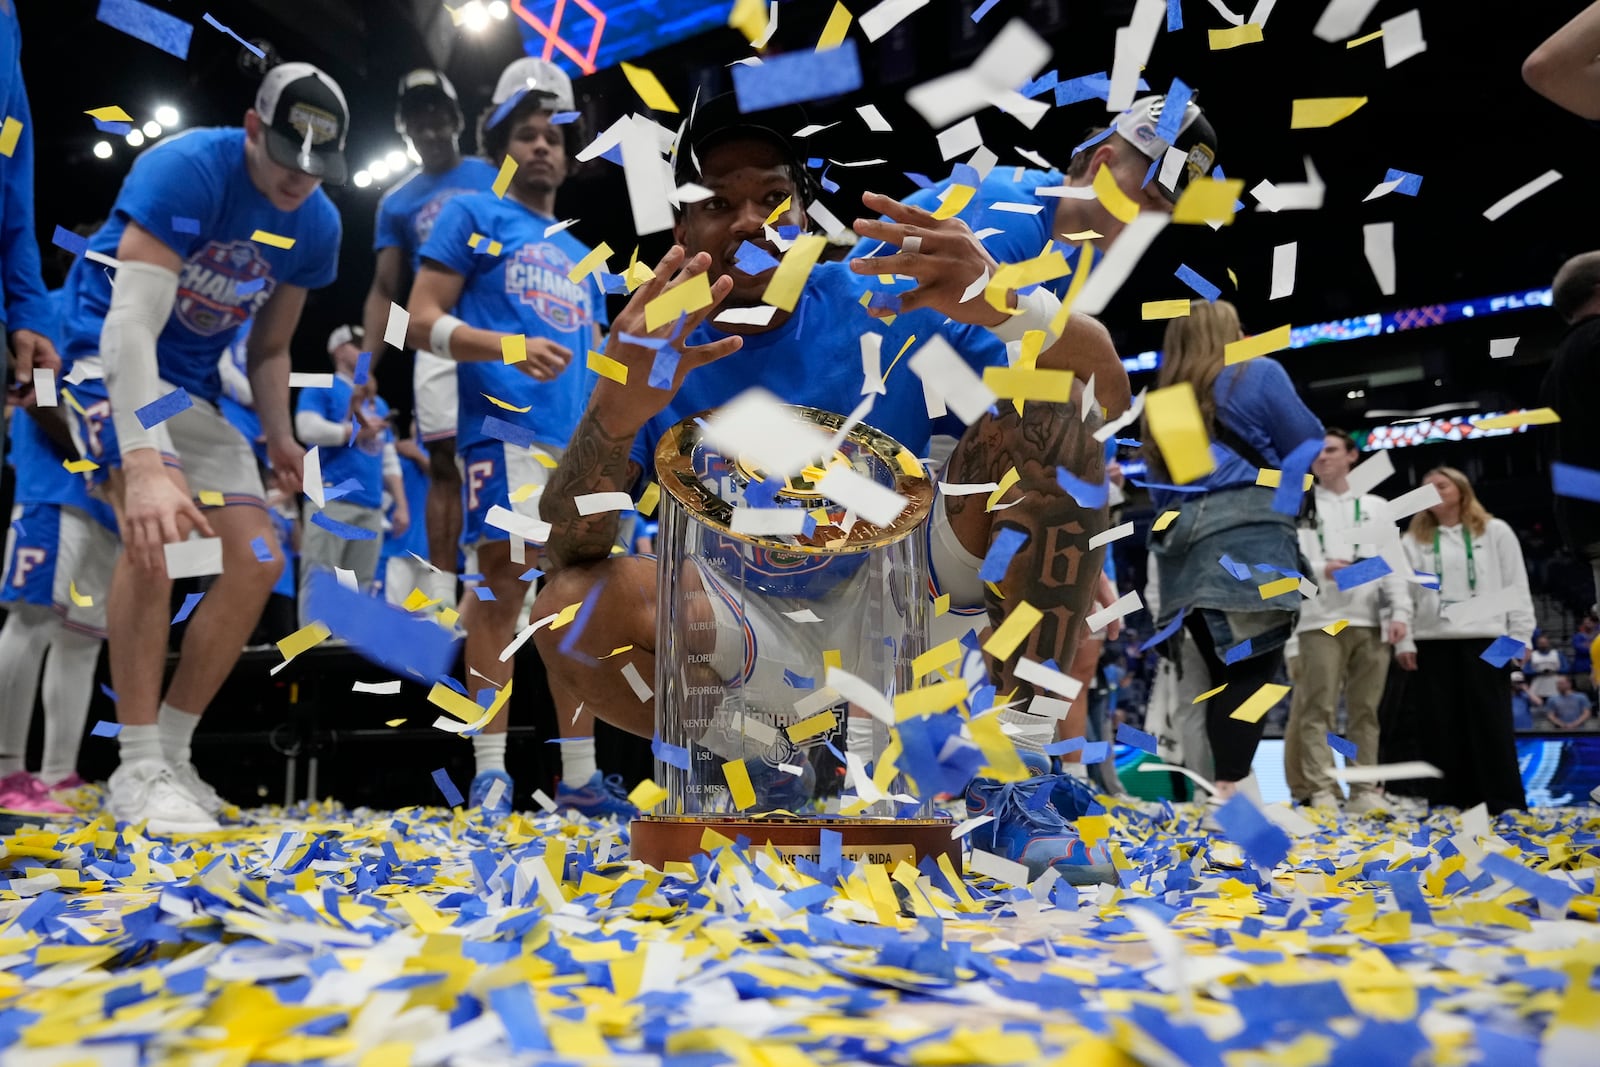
(596, 461)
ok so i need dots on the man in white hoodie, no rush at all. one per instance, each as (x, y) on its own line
(1344, 635)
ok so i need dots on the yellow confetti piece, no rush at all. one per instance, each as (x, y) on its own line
(544, 459)
(941, 605)
(739, 787)
(308, 636)
(524, 491)
(212, 499)
(884, 902)
(778, 212)
(1259, 703)
(1165, 519)
(936, 657)
(109, 113)
(682, 299)
(1208, 200)
(273, 239)
(1174, 419)
(637, 274)
(1534, 417)
(418, 910)
(1045, 267)
(9, 134)
(649, 499)
(649, 88)
(448, 616)
(502, 181)
(1018, 625)
(1317, 112)
(833, 33)
(77, 597)
(607, 367)
(394, 722)
(476, 239)
(388, 1054)
(1279, 587)
(503, 406)
(416, 600)
(749, 17)
(783, 291)
(910, 465)
(1234, 36)
(1373, 36)
(646, 795)
(1256, 345)
(833, 658)
(566, 615)
(1333, 629)
(595, 260)
(1029, 383)
(1007, 480)
(995, 590)
(1271, 479)
(513, 348)
(1208, 694)
(463, 708)
(999, 752)
(1093, 828)
(814, 726)
(617, 651)
(956, 197)
(1164, 309)
(930, 699)
(1112, 198)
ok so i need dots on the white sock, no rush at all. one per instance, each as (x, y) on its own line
(489, 752)
(1037, 731)
(177, 730)
(577, 762)
(68, 687)
(23, 640)
(140, 744)
(859, 741)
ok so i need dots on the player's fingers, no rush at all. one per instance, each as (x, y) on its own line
(711, 351)
(198, 518)
(894, 232)
(897, 210)
(719, 292)
(665, 269)
(911, 264)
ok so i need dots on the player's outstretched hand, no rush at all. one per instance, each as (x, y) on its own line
(546, 359)
(30, 350)
(158, 511)
(288, 462)
(943, 256)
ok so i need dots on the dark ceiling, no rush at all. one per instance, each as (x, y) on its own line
(1458, 115)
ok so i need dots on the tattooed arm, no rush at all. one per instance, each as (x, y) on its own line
(596, 461)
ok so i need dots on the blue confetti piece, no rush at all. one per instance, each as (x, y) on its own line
(254, 285)
(160, 410)
(530, 574)
(252, 49)
(148, 24)
(1165, 488)
(1042, 84)
(1088, 495)
(796, 77)
(509, 432)
(484, 593)
(262, 550)
(1503, 651)
(1345, 748)
(670, 754)
(106, 728)
(1178, 97)
(1129, 735)
(68, 241)
(1150, 173)
(1096, 139)
(1410, 184)
(452, 795)
(116, 129)
(965, 174)
(798, 681)
(184, 224)
(515, 1007)
(1061, 748)
(1292, 480)
(831, 849)
(1174, 15)
(827, 183)
(1188, 276)
(189, 602)
(363, 368)
(342, 529)
(1238, 652)
(921, 181)
(884, 301)
(1096, 752)
(1579, 483)
(1165, 632)
(343, 489)
(753, 259)
(380, 632)
(110, 693)
(664, 368)
(1084, 87)
(1005, 545)
(562, 118)
(1263, 842)
(1361, 572)
(1239, 570)
(983, 9)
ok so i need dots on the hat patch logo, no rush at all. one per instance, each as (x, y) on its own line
(321, 125)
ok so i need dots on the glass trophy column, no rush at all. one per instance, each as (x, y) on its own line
(756, 744)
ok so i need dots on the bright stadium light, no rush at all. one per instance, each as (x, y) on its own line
(498, 10)
(397, 161)
(102, 149)
(474, 17)
(152, 129)
(362, 179)
(167, 115)
(378, 169)
(135, 138)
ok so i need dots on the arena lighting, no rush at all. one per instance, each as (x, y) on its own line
(135, 138)
(102, 149)
(362, 179)
(167, 115)
(499, 10)
(152, 129)
(1386, 322)
(378, 169)
(474, 16)
(397, 161)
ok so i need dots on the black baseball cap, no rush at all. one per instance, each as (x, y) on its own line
(422, 87)
(306, 120)
(719, 119)
(1196, 139)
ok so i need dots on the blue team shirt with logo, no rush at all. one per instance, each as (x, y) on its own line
(198, 181)
(415, 539)
(340, 463)
(407, 213)
(524, 290)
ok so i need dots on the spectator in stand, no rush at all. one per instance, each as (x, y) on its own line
(1568, 709)
(1545, 664)
(1524, 702)
(1461, 702)
(1582, 662)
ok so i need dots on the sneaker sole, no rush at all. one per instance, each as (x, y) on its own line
(164, 826)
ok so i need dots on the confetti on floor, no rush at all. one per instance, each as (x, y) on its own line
(320, 935)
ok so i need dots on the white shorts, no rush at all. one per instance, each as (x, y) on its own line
(433, 385)
(953, 570)
(58, 551)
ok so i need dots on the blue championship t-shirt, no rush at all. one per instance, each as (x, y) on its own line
(360, 462)
(524, 290)
(194, 193)
(415, 539)
(407, 212)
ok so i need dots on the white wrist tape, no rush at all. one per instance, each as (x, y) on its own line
(141, 302)
(439, 336)
(1034, 312)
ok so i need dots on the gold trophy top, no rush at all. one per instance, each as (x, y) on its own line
(683, 460)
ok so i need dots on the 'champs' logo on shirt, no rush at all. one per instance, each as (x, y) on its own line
(428, 214)
(209, 300)
(537, 275)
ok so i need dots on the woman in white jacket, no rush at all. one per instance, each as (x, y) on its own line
(1461, 702)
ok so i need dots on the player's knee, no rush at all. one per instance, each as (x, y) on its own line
(442, 463)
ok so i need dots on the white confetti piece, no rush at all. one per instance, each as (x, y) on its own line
(1402, 38)
(817, 701)
(44, 387)
(1116, 533)
(886, 15)
(1283, 264)
(302, 380)
(949, 377)
(311, 476)
(759, 315)
(861, 693)
(394, 332)
(523, 526)
(768, 522)
(962, 137)
(389, 688)
(556, 227)
(1502, 347)
(1343, 18)
(194, 558)
(878, 504)
(1407, 504)
(756, 427)
(1378, 243)
(1517, 196)
(966, 826)
(1133, 44)
(541, 798)
(997, 867)
(1049, 707)
(874, 118)
(1126, 419)
(1010, 61)
(1123, 606)
(1035, 673)
(631, 674)
(803, 615)
(1370, 473)
(598, 503)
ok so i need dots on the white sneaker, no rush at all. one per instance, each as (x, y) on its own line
(1325, 802)
(1367, 802)
(148, 792)
(188, 779)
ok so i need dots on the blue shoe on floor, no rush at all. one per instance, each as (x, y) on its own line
(1028, 830)
(1071, 795)
(482, 785)
(778, 790)
(597, 798)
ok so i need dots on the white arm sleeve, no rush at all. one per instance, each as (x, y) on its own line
(391, 461)
(141, 302)
(1034, 312)
(315, 429)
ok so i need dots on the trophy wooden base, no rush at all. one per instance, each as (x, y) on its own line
(661, 839)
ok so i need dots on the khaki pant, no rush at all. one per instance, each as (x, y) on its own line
(1356, 661)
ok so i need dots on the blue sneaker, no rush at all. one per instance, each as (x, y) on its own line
(1071, 796)
(479, 795)
(1028, 830)
(597, 798)
(778, 790)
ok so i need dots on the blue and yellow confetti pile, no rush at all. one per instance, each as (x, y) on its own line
(320, 935)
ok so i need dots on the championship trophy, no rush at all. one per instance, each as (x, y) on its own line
(755, 744)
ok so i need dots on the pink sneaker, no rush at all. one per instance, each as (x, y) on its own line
(25, 793)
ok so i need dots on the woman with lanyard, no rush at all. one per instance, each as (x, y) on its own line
(1254, 419)
(1461, 704)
